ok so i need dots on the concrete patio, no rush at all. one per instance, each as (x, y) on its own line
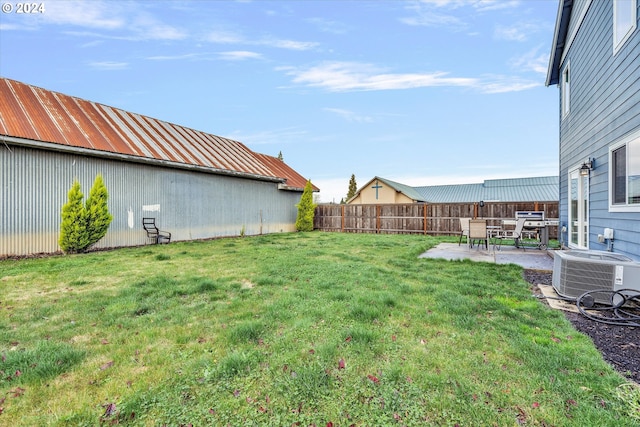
(530, 258)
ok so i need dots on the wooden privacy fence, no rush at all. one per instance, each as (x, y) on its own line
(423, 218)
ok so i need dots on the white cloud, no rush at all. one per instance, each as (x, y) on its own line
(12, 27)
(439, 13)
(513, 33)
(328, 26)
(478, 5)
(109, 65)
(224, 37)
(519, 31)
(230, 37)
(428, 17)
(504, 84)
(107, 19)
(489, 5)
(239, 55)
(349, 116)
(186, 56)
(92, 43)
(353, 76)
(92, 14)
(148, 28)
(536, 60)
(287, 44)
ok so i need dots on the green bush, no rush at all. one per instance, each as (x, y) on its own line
(84, 224)
(306, 208)
(73, 231)
(98, 217)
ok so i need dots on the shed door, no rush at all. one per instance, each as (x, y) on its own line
(578, 210)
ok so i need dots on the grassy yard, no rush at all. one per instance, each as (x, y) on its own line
(292, 330)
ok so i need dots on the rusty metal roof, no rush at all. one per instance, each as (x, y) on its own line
(32, 113)
(294, 181)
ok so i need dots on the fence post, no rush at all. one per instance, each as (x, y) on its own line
(424, 213)
(342, 218)
(378, 209)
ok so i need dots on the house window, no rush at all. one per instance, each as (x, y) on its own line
(625, 174)
(566, 92)
(624, 21)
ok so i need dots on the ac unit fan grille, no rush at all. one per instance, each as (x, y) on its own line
(580, 277)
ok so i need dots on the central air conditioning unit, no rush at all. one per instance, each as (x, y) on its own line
(577, 272)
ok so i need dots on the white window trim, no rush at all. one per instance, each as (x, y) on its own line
(585, 197)
(565, 90)
(631, 136)
(617, 44)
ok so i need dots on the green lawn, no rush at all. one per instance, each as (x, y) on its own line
(292, 330)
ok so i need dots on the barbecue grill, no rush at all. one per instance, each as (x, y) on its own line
(535, 224)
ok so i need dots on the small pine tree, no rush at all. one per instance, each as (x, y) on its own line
(73, 231)
(353, 188)
(306, 209)
(98, 216)
(280, 156)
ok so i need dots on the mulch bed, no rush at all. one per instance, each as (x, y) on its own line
(619, 345)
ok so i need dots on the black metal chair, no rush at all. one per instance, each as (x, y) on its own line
(154, 233)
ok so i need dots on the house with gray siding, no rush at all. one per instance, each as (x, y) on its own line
(196, 185)
(595, 63)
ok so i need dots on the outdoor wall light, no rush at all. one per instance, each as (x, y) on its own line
(587, 167)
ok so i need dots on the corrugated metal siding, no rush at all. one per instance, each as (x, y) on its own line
(192, 205)
(605, 105)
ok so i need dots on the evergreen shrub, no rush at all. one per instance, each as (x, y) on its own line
(83, 225)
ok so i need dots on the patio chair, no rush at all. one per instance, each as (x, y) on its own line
(153, 233)
(515, 234)
(464, 229)
(478, 231)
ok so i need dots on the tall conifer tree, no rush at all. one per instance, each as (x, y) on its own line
(73, 231)
(306, 209)
(83, 224)
(353, 188)
(98, 216)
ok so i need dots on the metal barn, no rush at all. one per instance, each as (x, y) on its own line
(195, 185)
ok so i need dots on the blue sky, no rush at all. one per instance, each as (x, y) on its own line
(421, 92)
